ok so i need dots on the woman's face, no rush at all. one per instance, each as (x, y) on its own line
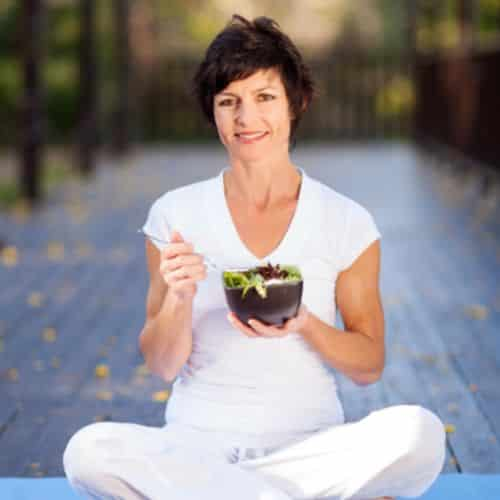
(252, 116)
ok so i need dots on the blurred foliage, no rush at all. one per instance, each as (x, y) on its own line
(9, 10)
(61, 97)
(10, 84)
(53, 174)
(489, 19)
(62, 31)
(396, 98)
(9, 193)
(438, 24)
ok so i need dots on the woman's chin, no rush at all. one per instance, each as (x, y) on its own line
(250, 152)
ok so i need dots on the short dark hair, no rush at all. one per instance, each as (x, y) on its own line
(244, 47)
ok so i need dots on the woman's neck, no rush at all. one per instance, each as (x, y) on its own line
(262, 186)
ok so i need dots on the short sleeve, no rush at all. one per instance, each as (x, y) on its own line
(157, 224)
(361, 231)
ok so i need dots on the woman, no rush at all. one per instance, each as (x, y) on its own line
(254, 413)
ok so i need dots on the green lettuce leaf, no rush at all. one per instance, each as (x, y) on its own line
(252, 279)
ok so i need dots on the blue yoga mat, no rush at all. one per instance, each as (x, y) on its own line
(447, 487)
(464, 487)
(47, 488)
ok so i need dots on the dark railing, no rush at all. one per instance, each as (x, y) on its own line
(458, 103)
(362, 95)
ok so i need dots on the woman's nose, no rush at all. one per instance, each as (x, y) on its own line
(245, 113)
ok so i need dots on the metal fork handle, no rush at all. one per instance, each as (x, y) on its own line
(209, 263)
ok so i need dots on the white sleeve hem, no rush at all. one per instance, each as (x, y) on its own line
(361, 231)
(156, 225)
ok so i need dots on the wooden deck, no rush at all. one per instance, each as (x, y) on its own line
(73, 298)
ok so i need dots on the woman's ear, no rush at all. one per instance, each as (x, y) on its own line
(304, 104)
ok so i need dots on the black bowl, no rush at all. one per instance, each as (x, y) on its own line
(281, 303)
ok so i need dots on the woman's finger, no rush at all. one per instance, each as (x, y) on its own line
(267, 331)
(233, 319)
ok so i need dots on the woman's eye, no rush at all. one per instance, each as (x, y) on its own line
(262, 97)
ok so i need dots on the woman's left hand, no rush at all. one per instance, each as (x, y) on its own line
(259, 329)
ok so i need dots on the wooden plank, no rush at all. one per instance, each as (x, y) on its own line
(74, 350)
(14, 307)
(28, 339)
(85, 387)
(476, 451)
(474, 345)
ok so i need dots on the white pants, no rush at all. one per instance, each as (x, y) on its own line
(396, 451)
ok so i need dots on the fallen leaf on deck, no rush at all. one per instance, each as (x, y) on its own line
(49, 335)
(55, 250)
(142, 371)
(84, 250)
(102, 418)
(21, 210)
(160, 396)
(476, 311)
(473, 387)
(35, 465)
(78, 211)
(453, 461)
(13, 374)
(35, 299)
(102, 371)
(104, 395)
(9, 256)
(449, 428)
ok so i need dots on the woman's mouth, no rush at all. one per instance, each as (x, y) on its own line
(250, 138)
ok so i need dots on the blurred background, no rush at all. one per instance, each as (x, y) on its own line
(96, 122)
(82, 78)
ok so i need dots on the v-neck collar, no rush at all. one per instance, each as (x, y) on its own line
(290, 244)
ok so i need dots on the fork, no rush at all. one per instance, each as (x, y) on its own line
(210, 264)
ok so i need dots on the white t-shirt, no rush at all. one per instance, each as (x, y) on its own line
(260, 386)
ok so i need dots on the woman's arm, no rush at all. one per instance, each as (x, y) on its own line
(166, 338)
(359, 352)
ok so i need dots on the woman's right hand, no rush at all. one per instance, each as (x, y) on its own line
(181, 268)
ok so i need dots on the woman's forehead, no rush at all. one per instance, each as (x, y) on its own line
(261, 79)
